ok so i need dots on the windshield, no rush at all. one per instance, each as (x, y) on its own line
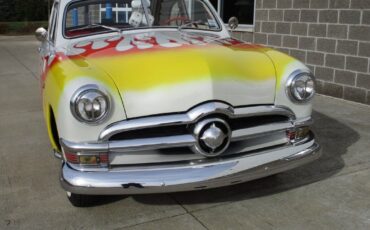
(99, 16)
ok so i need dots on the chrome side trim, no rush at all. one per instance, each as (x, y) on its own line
(192, 116)
(185, 178)
(263, 110)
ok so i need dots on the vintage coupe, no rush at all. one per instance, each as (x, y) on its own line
(155, 96)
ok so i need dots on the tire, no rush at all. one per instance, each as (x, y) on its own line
(78, 200)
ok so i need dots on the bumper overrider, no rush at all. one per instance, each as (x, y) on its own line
(214, 129)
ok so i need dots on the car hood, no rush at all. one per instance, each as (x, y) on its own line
(166, 72)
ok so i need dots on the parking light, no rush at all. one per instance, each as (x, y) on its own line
(99, 160)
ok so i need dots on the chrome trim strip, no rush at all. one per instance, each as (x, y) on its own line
(192, 116)
(307, 122)
(84, 147)
(242, 134)
(264, 110)
(152, 143)
(159, 180)
(237, 154)
(148, 122)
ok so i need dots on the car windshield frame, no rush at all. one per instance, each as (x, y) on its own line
(78, 2)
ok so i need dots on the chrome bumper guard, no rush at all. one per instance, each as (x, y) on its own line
(163, 179)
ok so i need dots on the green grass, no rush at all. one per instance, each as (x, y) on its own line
(20, 28)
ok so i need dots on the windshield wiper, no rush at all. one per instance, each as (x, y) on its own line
(195, 23)
(118, 30)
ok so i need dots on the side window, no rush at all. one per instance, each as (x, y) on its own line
(179, 12)
(244, 10)
(175, 10)
(200, 12)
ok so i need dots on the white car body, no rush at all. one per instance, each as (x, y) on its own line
(159, 81)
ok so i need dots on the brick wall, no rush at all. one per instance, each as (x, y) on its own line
(331, 36)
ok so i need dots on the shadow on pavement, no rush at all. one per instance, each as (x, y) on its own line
(334, 137)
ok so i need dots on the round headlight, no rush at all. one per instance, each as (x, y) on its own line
(301, 87)
(90, 105)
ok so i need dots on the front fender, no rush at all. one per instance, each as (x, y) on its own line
(62, 80)
(285, 65)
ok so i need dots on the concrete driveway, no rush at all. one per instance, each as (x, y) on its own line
(331, 193)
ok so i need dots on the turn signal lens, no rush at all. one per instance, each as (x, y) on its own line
(88, 160)
(103, 157)
(302, 132)
(100, 160)
(290, 135)
(298, 134)
(71, 158)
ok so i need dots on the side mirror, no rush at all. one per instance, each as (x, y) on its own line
(41, 34)
(233, 23)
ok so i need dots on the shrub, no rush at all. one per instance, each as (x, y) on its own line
(20, 28)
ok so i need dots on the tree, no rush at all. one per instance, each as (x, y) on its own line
(6, 7)
(21, 10)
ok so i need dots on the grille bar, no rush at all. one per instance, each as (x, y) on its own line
(242, 134)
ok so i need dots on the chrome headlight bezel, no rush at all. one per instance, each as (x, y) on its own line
(81, 94)
(291, 84)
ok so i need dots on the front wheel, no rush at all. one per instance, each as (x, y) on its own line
(79, 200)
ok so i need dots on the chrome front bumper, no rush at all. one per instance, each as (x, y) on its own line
(169, 178)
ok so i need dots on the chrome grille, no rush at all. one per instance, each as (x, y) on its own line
(145, 140)
(193, 116)
(168, 138)
(181, 155)
(181, 129)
